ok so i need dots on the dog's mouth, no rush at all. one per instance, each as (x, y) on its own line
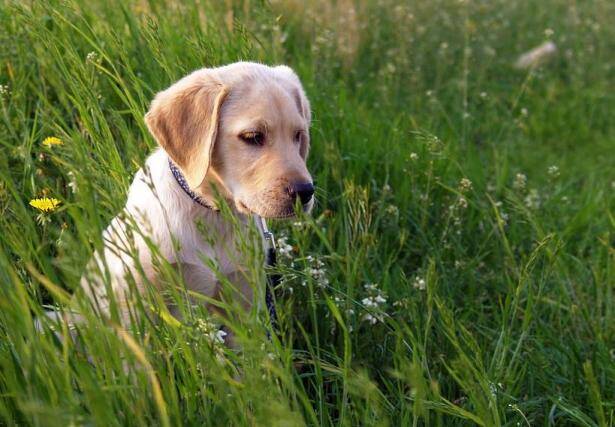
(271, 212)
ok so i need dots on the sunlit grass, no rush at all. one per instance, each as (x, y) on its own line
(457, 268)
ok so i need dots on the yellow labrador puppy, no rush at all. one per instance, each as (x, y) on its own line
(240, 131)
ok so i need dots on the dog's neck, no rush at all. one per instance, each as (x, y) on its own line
(212, 188)
(205, 193)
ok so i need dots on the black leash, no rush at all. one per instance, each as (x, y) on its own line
(273, 279)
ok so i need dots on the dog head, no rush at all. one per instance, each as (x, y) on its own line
(242, 128)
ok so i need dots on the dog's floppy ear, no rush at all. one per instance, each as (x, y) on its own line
(184, 120)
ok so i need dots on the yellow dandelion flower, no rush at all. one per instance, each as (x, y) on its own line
(45, 204)
(51, 141)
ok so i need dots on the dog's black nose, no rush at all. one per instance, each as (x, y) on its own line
(305, 191)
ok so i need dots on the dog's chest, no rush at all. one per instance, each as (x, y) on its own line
(205, 254)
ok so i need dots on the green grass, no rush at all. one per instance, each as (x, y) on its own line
(516, 321)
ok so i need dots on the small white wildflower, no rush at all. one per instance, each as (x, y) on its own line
(386, 188)
(520, 181)
(462, 203)
(414, 157)
(316, 270)
(524, 112)
(284, 249)
(92, 58)
(553, 171)
(372, 318)
(370, 287)
(465, 185)
(369, 302)
(419, 283)
(392, 210)
(374, 302)
(72, 183)
(4, 91)
(379, 299)
(549, 32)
(483, 95)
(532, 200)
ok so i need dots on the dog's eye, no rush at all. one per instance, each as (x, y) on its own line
(253, 138)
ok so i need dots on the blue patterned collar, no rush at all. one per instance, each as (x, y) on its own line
(181, 180)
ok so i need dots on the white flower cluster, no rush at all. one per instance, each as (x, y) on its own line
(4, 91)
(92, 58)
(532, 200)
(553, 171)
(520, 182)
(392, 210)
(419, 283)
(465, 185)
(283, 247)
(316, 270)
(374, 303)
(300, 224)
(456, 210)
(462, 202)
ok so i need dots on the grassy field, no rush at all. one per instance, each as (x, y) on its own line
(458, 268)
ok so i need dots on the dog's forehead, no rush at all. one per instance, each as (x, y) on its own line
(264, 99)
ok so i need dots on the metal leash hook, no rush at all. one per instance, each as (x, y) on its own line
(273, 279)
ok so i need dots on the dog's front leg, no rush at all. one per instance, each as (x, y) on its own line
(236, 294)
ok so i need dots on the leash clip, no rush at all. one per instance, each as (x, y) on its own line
(268, 237)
